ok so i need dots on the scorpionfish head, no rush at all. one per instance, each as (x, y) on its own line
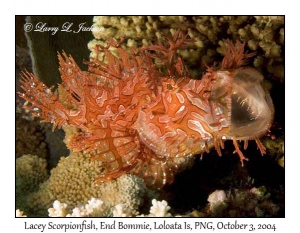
(242, 100)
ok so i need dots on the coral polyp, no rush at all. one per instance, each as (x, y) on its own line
(142, 113)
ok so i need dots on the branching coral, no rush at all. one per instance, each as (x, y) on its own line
(97, 208)
(159, 209)
(58, 210)
(94, 208)
(234, 203)
(121, 211)
(263, 34)
(19, 213)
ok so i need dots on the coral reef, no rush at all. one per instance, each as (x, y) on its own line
(216, 196)
(97, 208)
(30, 173)
(121, 211)
(263, 34)
(255, 202)
(58, 210)
(73, 182)
(121, 197)
(275, 149)
(19, 213)
(29, 137)
(94, 208)
(159, 209)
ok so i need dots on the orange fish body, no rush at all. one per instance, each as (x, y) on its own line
(137, 118)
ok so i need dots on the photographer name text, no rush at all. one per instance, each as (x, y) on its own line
(66, 27)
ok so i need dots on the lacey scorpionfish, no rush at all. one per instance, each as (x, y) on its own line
(140, 112)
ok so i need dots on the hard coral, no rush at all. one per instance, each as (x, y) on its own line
(207, 32)
(73, 182)
(19, 213)
(255, 202)
(58, 210)
(31, 171)
(29, 137)
(159, 209)
(97, 208)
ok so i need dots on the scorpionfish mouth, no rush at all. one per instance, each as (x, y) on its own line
(251, 108)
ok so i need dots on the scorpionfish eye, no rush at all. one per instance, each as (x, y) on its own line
(249, 107)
